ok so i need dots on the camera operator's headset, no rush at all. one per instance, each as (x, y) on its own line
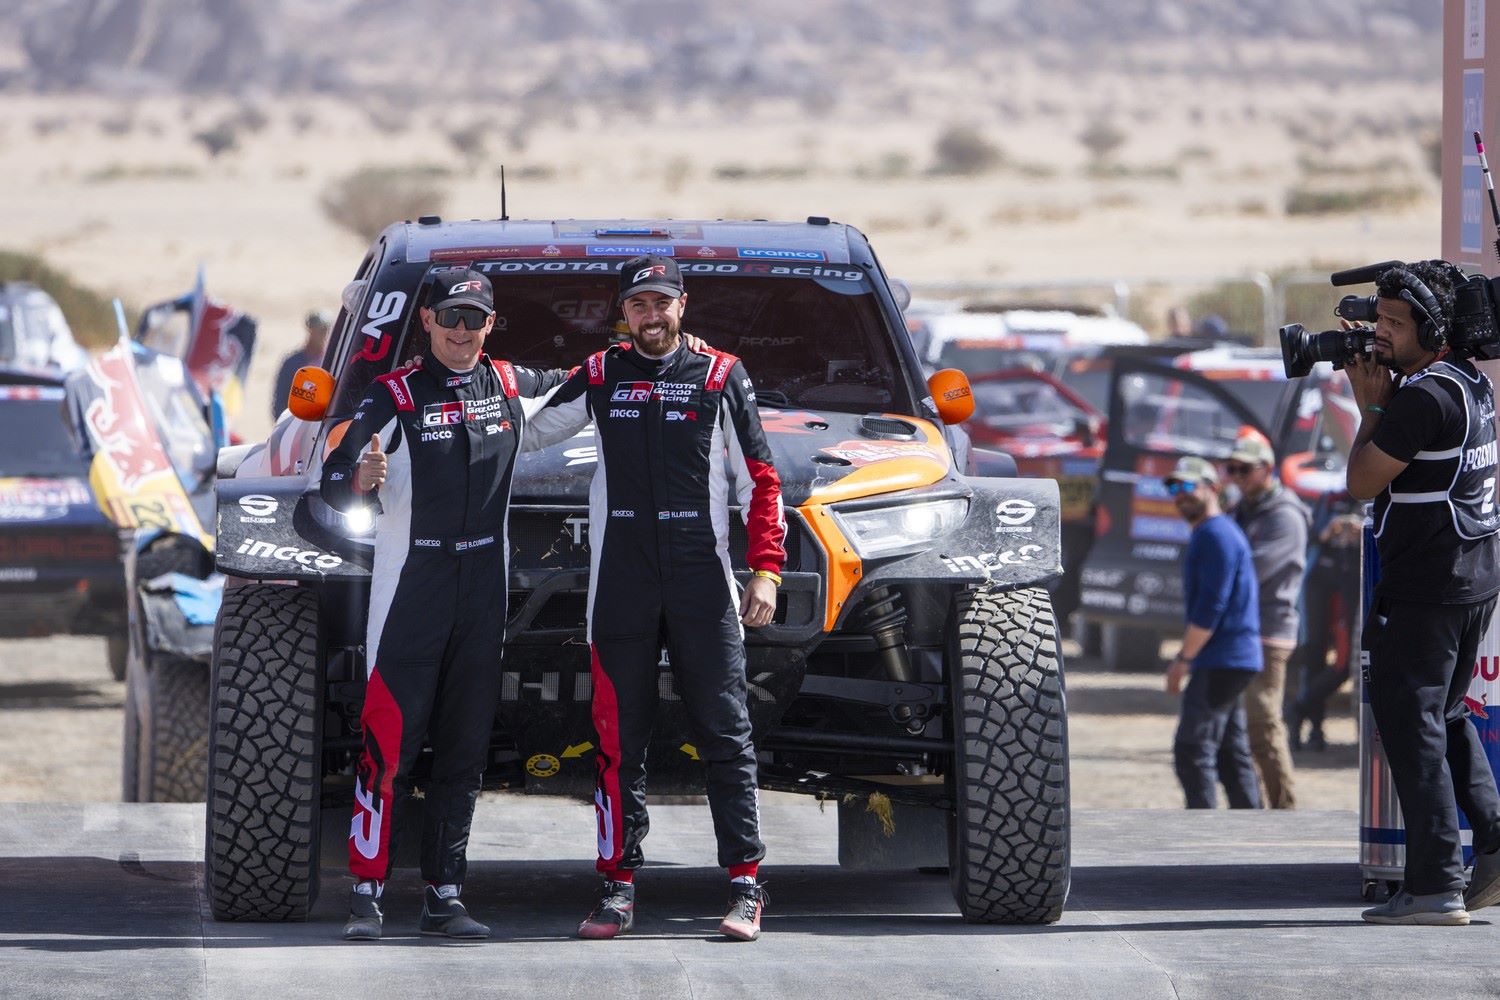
(1432, 333)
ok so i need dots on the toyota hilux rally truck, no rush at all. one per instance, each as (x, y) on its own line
(912, 672)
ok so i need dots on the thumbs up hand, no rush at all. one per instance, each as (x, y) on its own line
(369, 474)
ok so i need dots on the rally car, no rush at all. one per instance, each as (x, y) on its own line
(59, 556)
(912, 671)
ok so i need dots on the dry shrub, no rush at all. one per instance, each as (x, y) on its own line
(963, 150)
(372, 197)
(217, 139)
(1313, 201)
(1101, 139)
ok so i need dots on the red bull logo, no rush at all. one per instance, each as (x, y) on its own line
(1486, 672)
(118, 424)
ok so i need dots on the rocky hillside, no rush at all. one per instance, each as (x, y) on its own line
(614, 52)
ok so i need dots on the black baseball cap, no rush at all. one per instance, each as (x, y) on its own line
(650, 272)
(462, 287)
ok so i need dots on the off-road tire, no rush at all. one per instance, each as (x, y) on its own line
(265, 756)
(1130, 649)
(172, 753)
(1010, 856)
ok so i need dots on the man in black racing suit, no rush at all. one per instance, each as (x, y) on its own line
(442, 443)
(666, 414)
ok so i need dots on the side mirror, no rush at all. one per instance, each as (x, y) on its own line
(952, 396)
(312, 391)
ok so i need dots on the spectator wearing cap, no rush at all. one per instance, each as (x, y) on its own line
(310, 353)
(1275, 522)
(1221, 651)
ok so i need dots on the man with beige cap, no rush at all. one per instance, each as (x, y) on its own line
(1275, 522)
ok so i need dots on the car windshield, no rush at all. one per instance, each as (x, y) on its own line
(1165, 414)
(818, 342)
(38, 445)
(1016, 405)
(177, 412)
(980, 357)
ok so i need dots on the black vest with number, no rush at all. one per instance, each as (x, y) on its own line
(1436, 521)
(1457, 482)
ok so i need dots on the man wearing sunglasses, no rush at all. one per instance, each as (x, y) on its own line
(1275, 522)
(1221, 651)
(438, 441)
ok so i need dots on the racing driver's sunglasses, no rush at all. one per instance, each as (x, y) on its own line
(472, 319)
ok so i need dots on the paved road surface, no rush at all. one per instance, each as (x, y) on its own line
(100, 900)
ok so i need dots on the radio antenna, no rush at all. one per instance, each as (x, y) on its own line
(505, 215)
(1489, 183)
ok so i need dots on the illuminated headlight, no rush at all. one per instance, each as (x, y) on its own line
(359, 520)
(887, 531)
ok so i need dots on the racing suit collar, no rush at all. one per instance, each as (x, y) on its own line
(655, 366)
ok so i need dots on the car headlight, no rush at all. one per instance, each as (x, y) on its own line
(359, 520)
(910, 527)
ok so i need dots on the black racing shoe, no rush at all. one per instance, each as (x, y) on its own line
(365, 917)
(613, 915)
(746, 903)
(446, 916)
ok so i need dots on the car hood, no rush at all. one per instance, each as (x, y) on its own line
(821, 457)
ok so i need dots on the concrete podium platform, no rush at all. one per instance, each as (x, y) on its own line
(106, 900)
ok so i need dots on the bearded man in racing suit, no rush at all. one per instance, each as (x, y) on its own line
(665, 414)
(442, 439)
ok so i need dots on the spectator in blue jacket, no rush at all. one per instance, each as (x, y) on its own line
(1221, 651)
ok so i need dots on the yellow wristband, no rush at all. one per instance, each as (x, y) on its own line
(773, 577)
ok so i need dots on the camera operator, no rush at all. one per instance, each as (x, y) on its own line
(1426, 453)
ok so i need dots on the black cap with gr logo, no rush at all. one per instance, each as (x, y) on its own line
(650, 272)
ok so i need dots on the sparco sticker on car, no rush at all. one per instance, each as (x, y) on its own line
(258, 509)
(1013, 516)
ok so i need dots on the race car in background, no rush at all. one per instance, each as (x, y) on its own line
(34, 333)
(148, 436)
(1130, 584)
(59, 557)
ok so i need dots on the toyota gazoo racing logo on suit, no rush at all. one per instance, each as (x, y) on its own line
(631, 392)
(439, 414)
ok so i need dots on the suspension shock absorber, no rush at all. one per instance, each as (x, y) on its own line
(883, 618)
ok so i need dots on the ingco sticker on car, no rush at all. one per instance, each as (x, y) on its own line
(311, 558)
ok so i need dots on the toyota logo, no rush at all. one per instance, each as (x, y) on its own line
(258, 505)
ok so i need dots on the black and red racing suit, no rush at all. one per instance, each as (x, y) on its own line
(659, 541)
(437, 593)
